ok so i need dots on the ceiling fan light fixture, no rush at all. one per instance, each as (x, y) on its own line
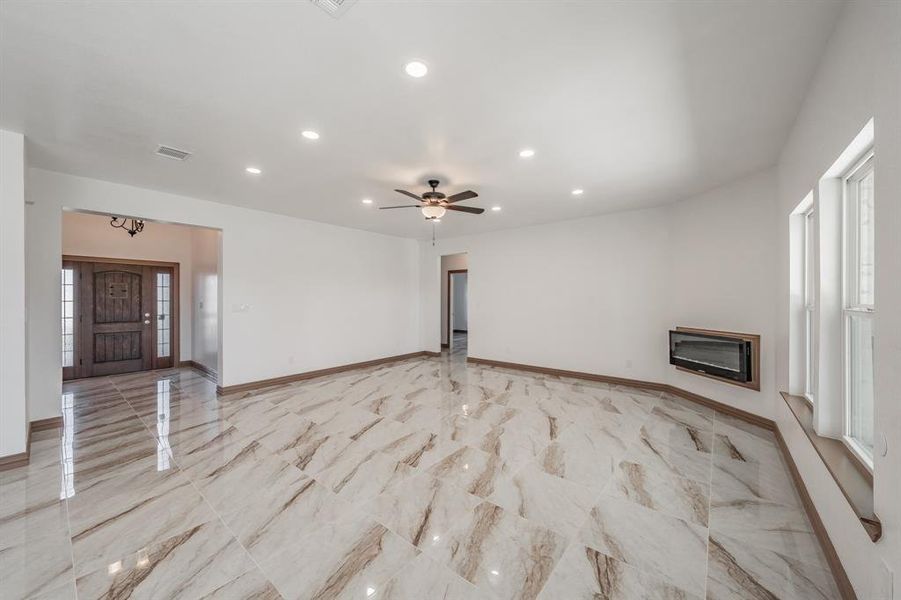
(433, 211)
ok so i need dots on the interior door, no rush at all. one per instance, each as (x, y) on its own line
(117, 325)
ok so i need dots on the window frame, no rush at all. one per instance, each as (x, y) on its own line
(809, 269)
(851, 306)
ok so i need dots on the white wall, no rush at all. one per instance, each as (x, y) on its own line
(608, 276)
(458, 302)
(721, 262)
(452, 262)
(205, 296)
(13, 380)
(618, 283)
(859, 78)
(297, 295)
(91, 235)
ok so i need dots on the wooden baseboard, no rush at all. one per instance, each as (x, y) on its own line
(43, 424)
(838, 571)
(193, 364)
(252, 385)
(22, 458)
(14, 461)
(649, 385)
(723, 408)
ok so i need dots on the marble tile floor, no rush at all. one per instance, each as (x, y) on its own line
(428, 478)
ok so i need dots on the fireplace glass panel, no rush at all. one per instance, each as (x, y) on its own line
(711, 354)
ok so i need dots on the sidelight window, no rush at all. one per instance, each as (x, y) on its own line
(68, 317)
(163, 314)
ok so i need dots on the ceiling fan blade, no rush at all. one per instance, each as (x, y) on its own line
(410, 194)
(466, 209)
(461, 196)
(401, 206)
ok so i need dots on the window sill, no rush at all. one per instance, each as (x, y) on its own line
(853, 478)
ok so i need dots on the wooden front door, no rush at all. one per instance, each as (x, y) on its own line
(123, 318)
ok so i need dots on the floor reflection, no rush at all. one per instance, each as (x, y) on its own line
(163, 416)
(67, 451)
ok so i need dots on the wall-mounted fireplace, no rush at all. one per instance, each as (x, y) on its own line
(722, 355)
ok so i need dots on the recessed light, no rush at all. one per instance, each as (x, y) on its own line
(367, 201)
(578, 192)
(416, 69)
(253, 170)
(496, 208)
(526, 153)
(310, 135)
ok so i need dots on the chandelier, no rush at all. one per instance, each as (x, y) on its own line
(137, 225)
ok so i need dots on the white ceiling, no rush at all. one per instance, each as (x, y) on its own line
(639, 103)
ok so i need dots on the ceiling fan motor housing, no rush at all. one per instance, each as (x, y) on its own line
(433, 196)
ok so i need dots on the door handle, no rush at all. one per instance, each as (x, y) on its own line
(146, 315)
(146, 322)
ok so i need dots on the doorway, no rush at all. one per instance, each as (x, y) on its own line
(118, 316)
(458, 312)
(454, 270)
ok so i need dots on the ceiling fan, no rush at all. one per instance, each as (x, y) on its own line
(434, 204)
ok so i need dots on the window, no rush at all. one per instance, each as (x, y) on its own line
(68, 316)
(859, 307)
(809, 299)
(163, 314)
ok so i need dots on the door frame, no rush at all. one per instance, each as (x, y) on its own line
(175, 318)
(450, 333)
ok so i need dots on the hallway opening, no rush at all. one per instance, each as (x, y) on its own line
(137, 298)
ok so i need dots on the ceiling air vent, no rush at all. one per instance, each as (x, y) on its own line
(335, 8)
(172, 153)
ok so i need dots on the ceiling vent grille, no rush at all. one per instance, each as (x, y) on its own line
(172, 153)
(335, 8)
